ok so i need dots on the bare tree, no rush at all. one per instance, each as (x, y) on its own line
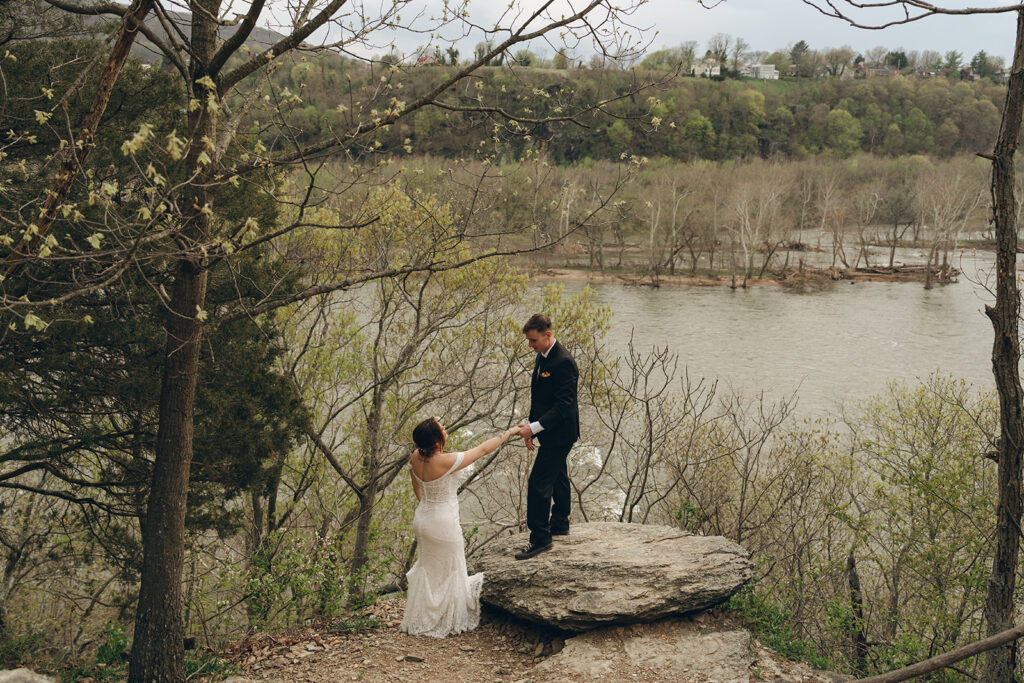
(738, 51)
(948, 199)
(838, 60)
(719, 46)
(756, 207)
(866, 203)
(876, 55)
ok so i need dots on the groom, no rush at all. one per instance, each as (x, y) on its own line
(555, 421)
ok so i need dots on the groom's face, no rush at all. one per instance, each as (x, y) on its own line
(540, 342)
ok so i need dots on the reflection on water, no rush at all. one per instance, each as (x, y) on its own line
(835, 347)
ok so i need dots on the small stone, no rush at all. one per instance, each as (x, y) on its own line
(367, 661)
(413, 658)
(539, 651)
(400, 658)
(502, 671)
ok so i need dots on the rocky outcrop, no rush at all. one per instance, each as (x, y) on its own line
(709, 647)
(608, 573)
(674, 649)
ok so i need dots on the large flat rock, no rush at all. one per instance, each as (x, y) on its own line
(607, 573)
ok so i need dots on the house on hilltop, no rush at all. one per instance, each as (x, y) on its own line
(764, 72)
(866, 71)
(707, 67)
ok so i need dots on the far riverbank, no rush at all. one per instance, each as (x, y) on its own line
(808, 277)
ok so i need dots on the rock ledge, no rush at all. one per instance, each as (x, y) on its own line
(608, 573)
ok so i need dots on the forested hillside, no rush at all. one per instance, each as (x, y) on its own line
(681, 117)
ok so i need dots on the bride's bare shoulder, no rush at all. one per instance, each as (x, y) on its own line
(433, 467)
(445, 459)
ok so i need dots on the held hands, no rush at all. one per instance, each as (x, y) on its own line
(523, 430)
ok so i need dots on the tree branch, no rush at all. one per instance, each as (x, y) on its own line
(948, 658)
(830, 8)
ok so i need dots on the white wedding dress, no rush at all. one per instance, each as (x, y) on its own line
(442, 599)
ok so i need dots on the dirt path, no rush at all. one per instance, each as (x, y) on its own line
(501, 650)
(496, 651)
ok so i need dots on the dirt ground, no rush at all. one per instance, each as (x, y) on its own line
(496, 651)
(500, 650)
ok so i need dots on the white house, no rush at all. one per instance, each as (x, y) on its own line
(707, 67)
(764, 72)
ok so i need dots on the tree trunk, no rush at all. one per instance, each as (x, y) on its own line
(11, 565)
(157, 649)
(362, 541)
(732, 284)
(857, 637)
(367, 498)
(158, 645)
(1000, 662)
(932, 256)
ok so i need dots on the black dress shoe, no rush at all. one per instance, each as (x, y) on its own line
(532, 550)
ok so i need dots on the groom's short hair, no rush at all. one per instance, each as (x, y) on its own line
(539, 322)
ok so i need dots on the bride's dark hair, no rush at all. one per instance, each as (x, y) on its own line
(428, 437)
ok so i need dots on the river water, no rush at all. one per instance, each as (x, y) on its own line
(834, 348)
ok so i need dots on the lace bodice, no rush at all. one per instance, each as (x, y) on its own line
(444, 489)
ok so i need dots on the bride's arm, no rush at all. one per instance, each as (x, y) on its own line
(486, 447)
(415, 484)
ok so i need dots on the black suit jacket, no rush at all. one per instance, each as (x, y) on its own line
(553, 400)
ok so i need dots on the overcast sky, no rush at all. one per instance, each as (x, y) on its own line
(776, 24)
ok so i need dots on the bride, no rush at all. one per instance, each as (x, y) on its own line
(442, 600)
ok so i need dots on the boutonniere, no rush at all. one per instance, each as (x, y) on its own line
(545, 374)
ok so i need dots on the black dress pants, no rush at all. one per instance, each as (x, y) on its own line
(549, 480)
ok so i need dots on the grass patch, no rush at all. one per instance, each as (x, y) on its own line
(771, 624)
(354, 624)
(16, 650)
(208, 666)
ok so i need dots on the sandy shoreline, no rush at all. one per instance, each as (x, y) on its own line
(822, 276)
(639, 280)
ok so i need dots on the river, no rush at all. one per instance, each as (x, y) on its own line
(834, 348)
